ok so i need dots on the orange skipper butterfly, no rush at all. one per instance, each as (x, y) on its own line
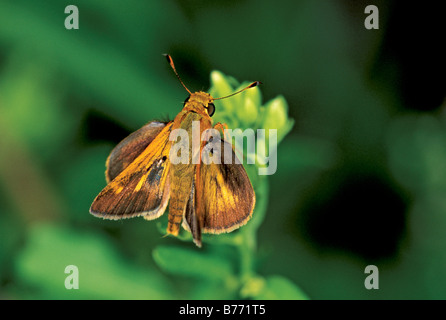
(211, 198)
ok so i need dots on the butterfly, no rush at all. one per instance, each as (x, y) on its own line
(142, 180)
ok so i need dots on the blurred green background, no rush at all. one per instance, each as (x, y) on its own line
(361, 178)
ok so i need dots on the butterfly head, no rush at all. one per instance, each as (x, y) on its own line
(200, 100)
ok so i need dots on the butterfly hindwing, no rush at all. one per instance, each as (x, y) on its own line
(191, 221)
(224, 195)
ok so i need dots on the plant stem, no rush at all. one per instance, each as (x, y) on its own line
(247, 252)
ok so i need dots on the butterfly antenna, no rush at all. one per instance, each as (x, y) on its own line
(252, 85)
(169, 59)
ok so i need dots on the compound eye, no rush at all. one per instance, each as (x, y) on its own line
(187, 99)
(211, 109)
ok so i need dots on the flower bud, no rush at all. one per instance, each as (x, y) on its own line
(276, 117)
(221, 87)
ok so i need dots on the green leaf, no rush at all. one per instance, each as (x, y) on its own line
(206, 290)
(103, 274)
(279, 288)
(192, 263)
(276, 117)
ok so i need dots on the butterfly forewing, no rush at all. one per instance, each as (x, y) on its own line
(130, 148)
(142, 188)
